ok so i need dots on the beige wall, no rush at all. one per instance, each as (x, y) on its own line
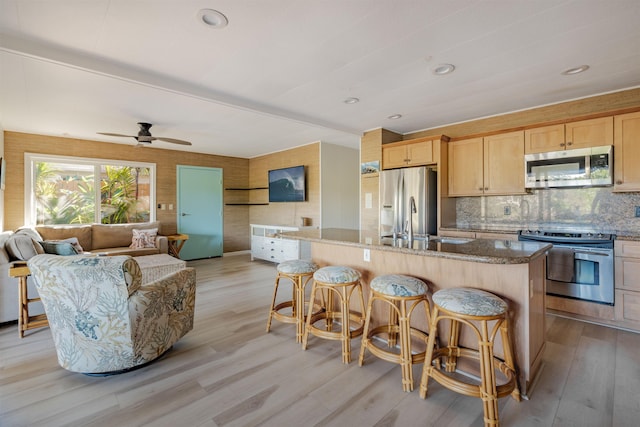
(291, 212)
(235, 174)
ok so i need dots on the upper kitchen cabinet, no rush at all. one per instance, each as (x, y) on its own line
(626, 152)
(580, 134)
(415, 152)
(501, 170)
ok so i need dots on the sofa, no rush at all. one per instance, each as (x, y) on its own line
(26, 242)
(103, 319)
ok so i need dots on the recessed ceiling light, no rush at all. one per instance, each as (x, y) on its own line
(351, 101)
(394, 116)
(575, 70)
(212, 18)
(443, 69)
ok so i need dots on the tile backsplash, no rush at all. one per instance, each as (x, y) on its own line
(592, 209)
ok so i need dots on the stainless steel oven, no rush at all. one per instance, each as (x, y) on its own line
(579, 265)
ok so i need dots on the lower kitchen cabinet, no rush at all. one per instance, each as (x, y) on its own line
(266, 244)
(627, 280)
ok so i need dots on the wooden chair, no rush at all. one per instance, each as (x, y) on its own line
(299, 272)
(330, 284)
(473, 308)
(402, 294)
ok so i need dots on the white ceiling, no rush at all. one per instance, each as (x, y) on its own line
(277, 75)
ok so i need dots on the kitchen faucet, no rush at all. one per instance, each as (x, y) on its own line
(412, 210)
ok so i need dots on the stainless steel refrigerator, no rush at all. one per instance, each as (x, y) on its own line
(397, 186)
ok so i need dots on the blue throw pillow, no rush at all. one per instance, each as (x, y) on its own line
(58, 248)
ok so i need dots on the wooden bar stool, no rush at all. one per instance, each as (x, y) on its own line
(336, 282)
(403, 294)
(474, 308)
(299, 272)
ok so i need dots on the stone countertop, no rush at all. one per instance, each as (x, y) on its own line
(476, 250)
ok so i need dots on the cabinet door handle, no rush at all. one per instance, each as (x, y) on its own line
(569, 143)
(563, 145)
(618, 182)
(486, 188)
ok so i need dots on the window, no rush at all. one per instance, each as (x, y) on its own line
(71, 190)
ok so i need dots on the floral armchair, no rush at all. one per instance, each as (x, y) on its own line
(103, 319)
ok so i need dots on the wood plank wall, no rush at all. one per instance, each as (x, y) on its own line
(371, 150)
(235, 174)
(286, 213)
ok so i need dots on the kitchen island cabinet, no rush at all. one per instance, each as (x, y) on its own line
(512, 270)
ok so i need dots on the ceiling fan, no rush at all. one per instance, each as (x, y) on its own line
(144, 137)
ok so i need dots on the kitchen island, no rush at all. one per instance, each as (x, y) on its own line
(513, 270)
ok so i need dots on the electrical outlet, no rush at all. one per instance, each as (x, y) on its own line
(367, 255)
(507, 210)
(637, 211)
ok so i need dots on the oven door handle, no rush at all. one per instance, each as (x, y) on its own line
(605, 254)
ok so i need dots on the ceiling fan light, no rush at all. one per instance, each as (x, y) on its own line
(212, 18)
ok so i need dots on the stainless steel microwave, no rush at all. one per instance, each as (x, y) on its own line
(582, 167)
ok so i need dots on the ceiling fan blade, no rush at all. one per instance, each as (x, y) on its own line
(173, 140)
(115, 134)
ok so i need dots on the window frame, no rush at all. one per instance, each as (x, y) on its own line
(30, 172)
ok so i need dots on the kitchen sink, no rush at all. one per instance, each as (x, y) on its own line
(450, 240)
(406, 237)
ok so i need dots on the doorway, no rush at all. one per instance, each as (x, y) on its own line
(200, 211)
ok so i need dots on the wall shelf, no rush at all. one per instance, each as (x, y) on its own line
(240, 201)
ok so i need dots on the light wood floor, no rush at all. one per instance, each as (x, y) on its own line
(229, 372)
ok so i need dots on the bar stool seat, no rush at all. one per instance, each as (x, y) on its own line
(333, 283)
(403, 294)
(474, 308)
(299, 272)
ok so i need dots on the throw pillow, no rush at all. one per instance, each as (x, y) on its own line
(144, 238)
(74, 242)
(22, 247)
(58, 248)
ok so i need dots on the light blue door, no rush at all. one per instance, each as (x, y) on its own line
(200, 211)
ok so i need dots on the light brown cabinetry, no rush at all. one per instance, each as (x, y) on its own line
(627, 279)
(501, 170)
(580, 134)
(416, 152)
(626, 152)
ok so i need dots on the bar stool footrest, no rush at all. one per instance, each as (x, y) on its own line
(391, 356)
(471, 389)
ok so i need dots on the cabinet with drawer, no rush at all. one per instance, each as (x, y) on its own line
(266, 243)
(627, 280)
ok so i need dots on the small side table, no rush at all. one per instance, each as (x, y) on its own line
(176, 242)
(25, 321)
